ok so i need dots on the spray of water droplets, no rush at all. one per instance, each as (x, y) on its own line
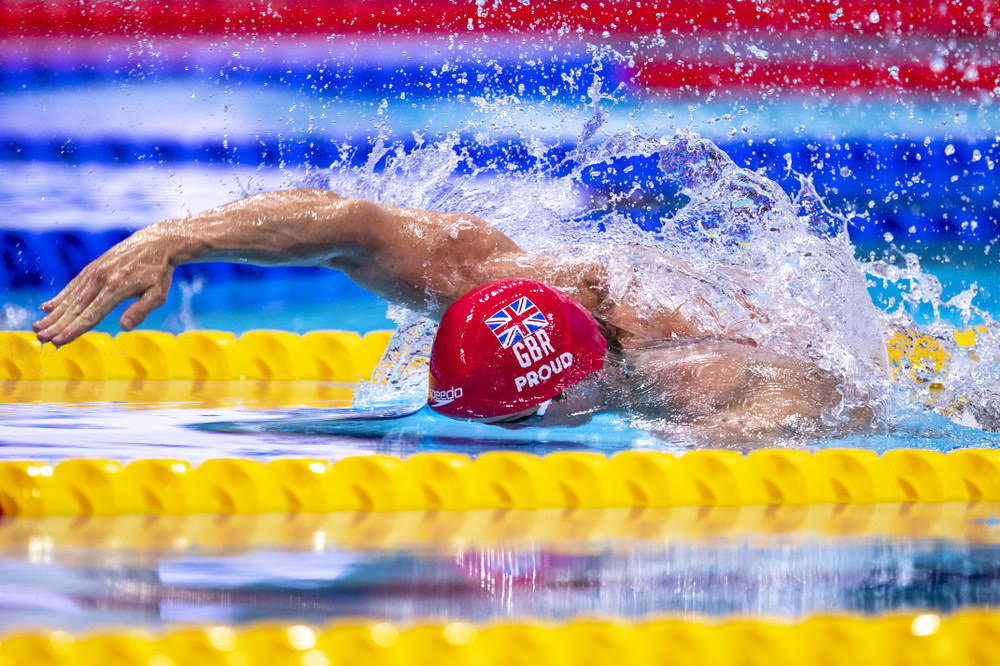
(758, 263)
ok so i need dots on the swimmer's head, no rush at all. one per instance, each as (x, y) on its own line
(509, 346)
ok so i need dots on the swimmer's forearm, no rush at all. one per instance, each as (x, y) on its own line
(422, 259)
(294, 227)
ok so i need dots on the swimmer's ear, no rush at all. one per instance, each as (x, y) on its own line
(134, 314)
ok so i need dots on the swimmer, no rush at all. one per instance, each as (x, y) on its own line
(523, 337)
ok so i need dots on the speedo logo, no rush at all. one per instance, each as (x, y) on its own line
(440, 398)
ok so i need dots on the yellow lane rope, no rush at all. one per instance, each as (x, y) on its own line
(967, 638)
(922, 357)
(340, 356)
(498, 480)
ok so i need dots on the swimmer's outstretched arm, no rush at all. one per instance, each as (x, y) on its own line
(418, 258)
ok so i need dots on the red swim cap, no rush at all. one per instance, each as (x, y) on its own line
(510, 345)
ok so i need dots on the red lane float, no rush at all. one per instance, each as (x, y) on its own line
(102, 17)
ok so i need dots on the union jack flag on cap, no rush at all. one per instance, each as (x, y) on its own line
(516, 321)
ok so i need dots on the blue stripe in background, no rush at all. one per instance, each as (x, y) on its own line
(851, 167)
(545, 79)
(964, 189)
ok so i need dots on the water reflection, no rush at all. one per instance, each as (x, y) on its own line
(553, 564)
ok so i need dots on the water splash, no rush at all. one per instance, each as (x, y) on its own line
(757, 263)
(954, 370)
(400, 378)
(14, 317)
(183, 318)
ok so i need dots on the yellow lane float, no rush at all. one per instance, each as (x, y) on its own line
(498, 480)
(966, 638)
(338, 356)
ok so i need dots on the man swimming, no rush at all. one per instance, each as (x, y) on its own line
(496, 357)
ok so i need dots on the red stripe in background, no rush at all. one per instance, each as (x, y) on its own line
(621, 17)
(809, 77)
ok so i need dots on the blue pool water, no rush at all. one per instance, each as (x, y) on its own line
(113, 581)
(298, 300)
(126, 432)
(94, 160)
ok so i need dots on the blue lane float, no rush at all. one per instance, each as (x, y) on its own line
(848, 167)
(33, 259)
(543, 79)
(932, 191)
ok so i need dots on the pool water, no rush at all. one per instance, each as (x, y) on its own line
(110, 121)
(264, 431)
(79, 573)
(302, 300)
(297, 300)
(150, 572)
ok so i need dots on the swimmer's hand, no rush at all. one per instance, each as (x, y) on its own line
(139, 267)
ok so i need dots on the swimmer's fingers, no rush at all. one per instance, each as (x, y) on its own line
(151, 299)
(70, 307)
(97, 309)
(55, 301)
(51, 307)
(129, 269)
(90, 296)
(46, 321)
